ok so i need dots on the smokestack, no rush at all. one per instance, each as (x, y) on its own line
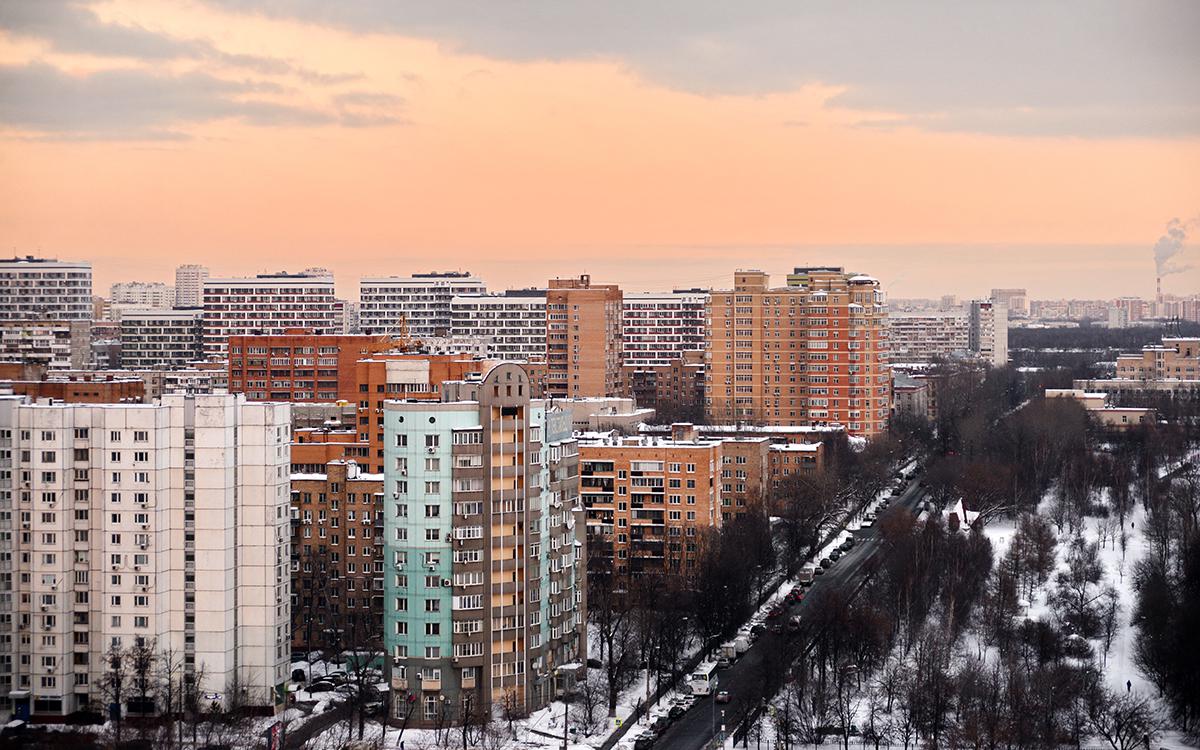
(1158, 287)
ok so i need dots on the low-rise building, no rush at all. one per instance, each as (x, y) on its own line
(53, 344)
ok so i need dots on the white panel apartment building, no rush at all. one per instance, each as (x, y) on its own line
(142, 294)
(422, 300)
(988, 332)
(268, 303)
(925, 336)
(513, 323)
(166, 523)
(660, 326)
(45, 289)
(189, 285)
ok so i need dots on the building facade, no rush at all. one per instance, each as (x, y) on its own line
(48, 344)
(1013, 300)
(153, 294)
(417, 304)
(661, 328)
(583, 338)
(987, 334)
(267, 304)
(928, 336)
(513, 322)
(337, 557)
(189, 285)
(813, 352)
(161, 338)
(299, 365)
(484, 589)
(45, 289)
(1175, 358)
(162, 524)
(650, 502)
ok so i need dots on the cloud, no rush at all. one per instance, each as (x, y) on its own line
(1091, 68)
(134, 104)
(70, 26)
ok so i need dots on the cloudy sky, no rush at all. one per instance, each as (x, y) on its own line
(943, 146)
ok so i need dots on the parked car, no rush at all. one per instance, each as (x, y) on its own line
(299, 675)
(724, 662)
(643, 741)
(827, 561)
(722, 696)
(868, 522)
(848, 543)
(836, 555)
(794, 624)
(320, 686)
(820, 571)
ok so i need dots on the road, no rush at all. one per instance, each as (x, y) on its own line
(766, 662)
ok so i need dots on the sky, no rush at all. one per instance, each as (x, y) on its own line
(945, 147)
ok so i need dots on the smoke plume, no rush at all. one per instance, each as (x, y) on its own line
(1170, 245)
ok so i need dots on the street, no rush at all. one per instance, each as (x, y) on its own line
(745, 678)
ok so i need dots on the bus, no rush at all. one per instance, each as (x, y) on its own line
(704, 679)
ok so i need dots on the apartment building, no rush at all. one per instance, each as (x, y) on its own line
(513, 322)
(45, 289)
(299, 364)
(48, 344)
(583, 338)
(650, 502)
(929, 335)
(267, 304)
(161, 338)
(337, 556)
(813, 352)
(485, 598)
(987, 335)
(1016, 301)
(152, 294)
(674, 390)
(417, 304)
(163, 524)
(314, 447)
(660, 328)
(189, 285)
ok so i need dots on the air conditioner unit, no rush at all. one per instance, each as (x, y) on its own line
(137, 567)
(44, 608)
(50, 670)
(54, 587)
(449, 536)
(447, 582)
(25, 525)
(145, 526)
(433, 566)
(116, 567)
(395, 495)
(431, 451)
(46, 627)
(142, 546)
(404, 472)
(399, 566)
(145, 588)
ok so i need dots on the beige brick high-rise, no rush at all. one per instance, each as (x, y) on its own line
(812, 352)
(583, 338)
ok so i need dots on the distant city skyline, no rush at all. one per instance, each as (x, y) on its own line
(1066, 272)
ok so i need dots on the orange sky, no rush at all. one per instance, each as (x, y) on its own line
(520, 170)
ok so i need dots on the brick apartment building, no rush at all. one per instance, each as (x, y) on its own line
(813, 352)
(649, 501)
(299, 365)
(583, 338)
(337, 556)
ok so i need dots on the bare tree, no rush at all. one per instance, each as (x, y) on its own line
(114, 684)
(1125, 721)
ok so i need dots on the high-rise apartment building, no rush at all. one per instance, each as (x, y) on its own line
(928, 335)
(661, 327)
(1013, 300)
(337, 556)
(484, 587)
(650, 502)
(813, 352)
(583, 338)
(420, 302)
(163, 524)
(987, 332)
(45, 289)
(142, 294)
(189, 285)
(161, 338)
(513, 322)
(267, 303)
